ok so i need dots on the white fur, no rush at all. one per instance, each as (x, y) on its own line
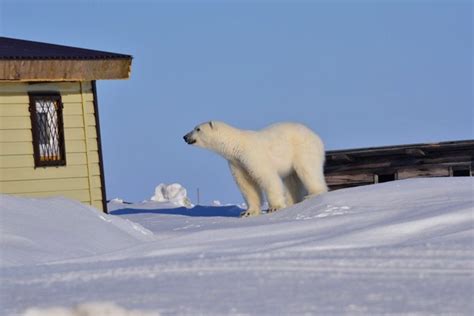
(283, 161)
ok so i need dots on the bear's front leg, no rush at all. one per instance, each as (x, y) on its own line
(249, 189)
(250, 212)
(274, 190)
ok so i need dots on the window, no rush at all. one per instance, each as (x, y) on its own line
(48, 131)
(381, 178)
(461, 171)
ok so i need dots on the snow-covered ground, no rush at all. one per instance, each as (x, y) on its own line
(399, 247)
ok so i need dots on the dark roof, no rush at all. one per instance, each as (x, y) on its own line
(11, 48)
(397, 149)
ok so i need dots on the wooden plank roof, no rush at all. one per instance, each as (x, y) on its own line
(380, 158)
(411, 149)
(22, 60)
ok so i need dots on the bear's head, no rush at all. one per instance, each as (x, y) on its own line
(202, 135)
(216, 136)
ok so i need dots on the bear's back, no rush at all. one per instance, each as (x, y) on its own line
(286, 129)
(288, 134)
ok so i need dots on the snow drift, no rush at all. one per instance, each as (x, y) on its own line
(43, 230)
(88, 309)
(174, 193)
(404, 247)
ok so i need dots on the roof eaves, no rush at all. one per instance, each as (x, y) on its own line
(64, 57)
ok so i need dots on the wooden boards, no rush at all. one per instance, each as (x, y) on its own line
(62, 70)
(354, 167)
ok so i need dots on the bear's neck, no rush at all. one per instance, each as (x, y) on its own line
(230, 144)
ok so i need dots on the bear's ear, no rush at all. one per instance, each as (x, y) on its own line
(211, 125)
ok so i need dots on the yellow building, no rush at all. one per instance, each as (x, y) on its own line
(49, 121)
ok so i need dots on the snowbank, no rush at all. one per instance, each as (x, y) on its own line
(166, 196)
(43, 230)
(88, 309)
(174, 193)
(403, 247)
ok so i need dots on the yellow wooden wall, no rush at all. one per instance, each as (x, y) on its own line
(80, 178)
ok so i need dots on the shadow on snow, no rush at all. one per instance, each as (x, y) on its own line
(197, 211)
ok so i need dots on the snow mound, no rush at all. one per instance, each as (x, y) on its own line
(43, 230)
(403, 247)
(174, 193)
(88, 309)
(395, 214)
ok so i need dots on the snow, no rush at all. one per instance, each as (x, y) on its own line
(43, 230)
(88, 309)
(171, 193)
(399, 247)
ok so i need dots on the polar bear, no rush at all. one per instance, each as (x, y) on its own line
(284, 161)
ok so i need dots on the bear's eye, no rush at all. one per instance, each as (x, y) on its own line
(198, 129)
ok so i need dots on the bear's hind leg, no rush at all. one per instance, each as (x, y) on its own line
(249, 189)
(294, 189)
(312, 176)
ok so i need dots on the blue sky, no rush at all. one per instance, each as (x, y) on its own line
(359, 73)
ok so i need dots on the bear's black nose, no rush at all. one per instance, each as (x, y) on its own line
(187, 138)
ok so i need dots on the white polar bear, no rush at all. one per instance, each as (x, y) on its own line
(285, 161)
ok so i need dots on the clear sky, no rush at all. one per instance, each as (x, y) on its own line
(359, 73)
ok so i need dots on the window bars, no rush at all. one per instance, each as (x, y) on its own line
(48, 131)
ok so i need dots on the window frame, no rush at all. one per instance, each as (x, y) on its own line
(47, 96)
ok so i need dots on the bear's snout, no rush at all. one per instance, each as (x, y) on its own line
(188, 139)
